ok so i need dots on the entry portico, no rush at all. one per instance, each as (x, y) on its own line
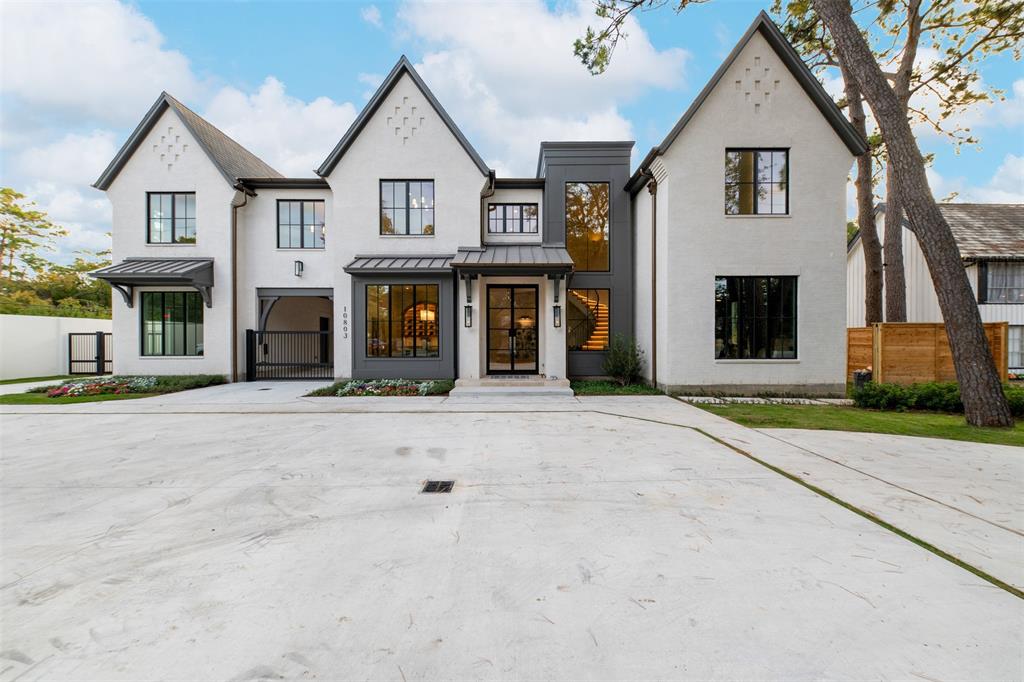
(513, 297)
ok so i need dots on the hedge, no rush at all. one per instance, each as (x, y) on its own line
(934, 397)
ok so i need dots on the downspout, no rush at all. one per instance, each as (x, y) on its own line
(485, 193)
(240, 199)
(652, 187)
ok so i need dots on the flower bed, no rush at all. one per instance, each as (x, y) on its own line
(393, 387)
(102, 386)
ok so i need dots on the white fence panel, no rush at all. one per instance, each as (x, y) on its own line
(35, 346)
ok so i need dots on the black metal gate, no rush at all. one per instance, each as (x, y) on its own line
(288, 355)
(90, 353)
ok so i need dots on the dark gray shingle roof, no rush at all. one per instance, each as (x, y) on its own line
(232, 159)
(987, 231)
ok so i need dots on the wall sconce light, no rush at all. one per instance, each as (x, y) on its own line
(298, 268)
(468, 311)
(557, 317)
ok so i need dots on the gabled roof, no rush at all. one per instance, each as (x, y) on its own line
(401, 68)
(764, 25)
(981, 231)
(232, 159)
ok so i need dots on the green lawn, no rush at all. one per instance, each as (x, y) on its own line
(611, 388)
(59, 377)
(927, 424)
(41, 399)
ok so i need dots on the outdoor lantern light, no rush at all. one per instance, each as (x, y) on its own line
(557, 316)
(468, 315)
(298, 268)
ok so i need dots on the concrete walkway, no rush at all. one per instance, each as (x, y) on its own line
(208, 535)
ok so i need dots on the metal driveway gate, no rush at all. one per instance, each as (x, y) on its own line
(90, 353)
(288, 355)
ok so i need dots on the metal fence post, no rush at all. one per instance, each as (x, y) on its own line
(101, 360)
(250, 355)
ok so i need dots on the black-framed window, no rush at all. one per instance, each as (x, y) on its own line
(407, 207)
(587, 224)
(755, 318)
(172, 217)
(1001, 282)
(756, 181)
(172, 323)
(402, 321)
(512, 218)
(300, 224)
(588, 314)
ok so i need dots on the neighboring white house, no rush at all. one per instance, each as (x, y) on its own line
(991, 242)
(408, 257)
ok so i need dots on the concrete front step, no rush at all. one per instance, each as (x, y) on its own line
(511, 387)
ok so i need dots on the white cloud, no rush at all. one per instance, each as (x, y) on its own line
(72, 159)
(291, 135)
(371, 79)
(1005, 187)
(371, 15)
(99, 61)
(507, 74)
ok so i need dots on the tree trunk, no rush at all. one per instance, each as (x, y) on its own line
(895, 276)
(865, 207)
(980, 390)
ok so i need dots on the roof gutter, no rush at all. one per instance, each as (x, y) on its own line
(485, 194)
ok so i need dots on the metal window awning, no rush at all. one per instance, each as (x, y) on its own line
(133, 272)
(508, 259)
(399, 265)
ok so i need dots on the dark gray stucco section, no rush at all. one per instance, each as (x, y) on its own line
(442, 367)
(564, 162)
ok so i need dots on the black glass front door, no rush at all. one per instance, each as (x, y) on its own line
(512, 329)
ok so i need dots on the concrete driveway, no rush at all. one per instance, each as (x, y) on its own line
(584, 539)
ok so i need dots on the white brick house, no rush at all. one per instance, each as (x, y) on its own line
(722, 253)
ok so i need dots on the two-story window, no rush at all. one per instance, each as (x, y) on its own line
(587, 225)
(512, 218)
(755, 318)
(172, 218)
(756, 182)
(172, 323)
(300, 224)
(407, 207)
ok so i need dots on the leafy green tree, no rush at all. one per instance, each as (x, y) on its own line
(24, 231)
(984, 402)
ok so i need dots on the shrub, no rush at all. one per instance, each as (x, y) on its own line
(391, 387)
(129, 384)
(624, 362)
(933, 396)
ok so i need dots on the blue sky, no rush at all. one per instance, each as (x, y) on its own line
(285, 79)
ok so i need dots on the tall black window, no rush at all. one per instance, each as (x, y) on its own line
(172, 323)
(407, 207)
(172, 218)
(755, 318)
(402, 321)
(587, 224)
(756, 182)
(516, 218)
(300, 224)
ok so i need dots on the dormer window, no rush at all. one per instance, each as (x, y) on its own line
(407, 207)
(512, 218)
(172, 218)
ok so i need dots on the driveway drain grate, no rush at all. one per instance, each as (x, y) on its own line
(438, 487)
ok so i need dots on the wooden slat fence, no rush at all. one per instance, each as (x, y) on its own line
(914, 352)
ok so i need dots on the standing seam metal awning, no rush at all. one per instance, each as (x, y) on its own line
(133, 272)
(397, 265)
(514, 257)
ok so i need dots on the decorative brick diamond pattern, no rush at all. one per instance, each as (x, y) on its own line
(170, 147)
(405, 120)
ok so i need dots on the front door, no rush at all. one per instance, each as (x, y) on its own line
(512, 329)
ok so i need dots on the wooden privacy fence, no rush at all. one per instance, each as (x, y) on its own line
(914, 352)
